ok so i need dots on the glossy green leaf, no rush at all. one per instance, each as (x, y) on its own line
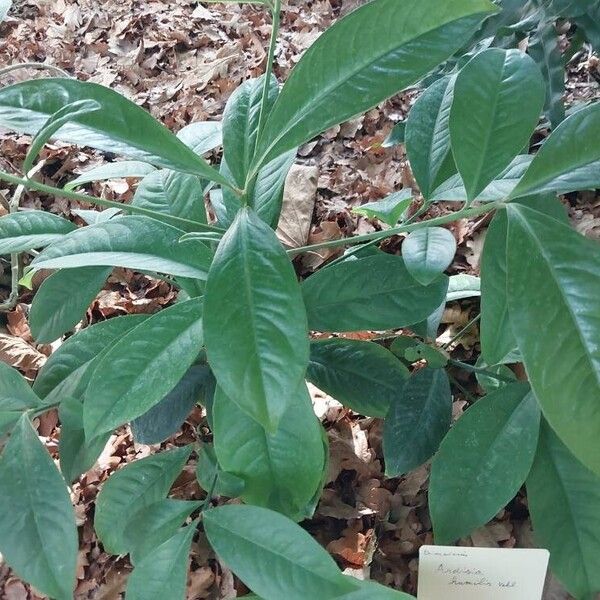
(375, 292)
(114, 170)
(131, 489)
(38, 536)
(398, 46)
(166, 417)
(31, 229)
(143, 367)
(138, 243)
(498, 98)
(428, 136)
(389, 210)
(162, 573)
(281, 470)
(463, 286)
(211, 476)
(250, 294)
(563, 498)
(16, 396)
(202, 136)
(62, 299)
(483, 461)
(120, 126)
(552, 299)
(417, 421)
(361, 375)
(428, 252)
(569, 160)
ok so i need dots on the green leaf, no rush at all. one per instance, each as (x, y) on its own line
(166, 417)
(16, 397)
(417, 421)
(375, 292)
(398, 46)
(76, 455)
(396, 136)
(114, 170)
(62, 299)
(362, 375)
(281, 470)
(210, 474)
(202, 136)
(251, 293)
(163, 572)
(126, 383)
(31, 229)
(435, 358)
(131, 489)
(389, 210)
(273, 556)
(428, 252)
(4, 8)
(552, 299)
(563, 498)
(91, 217)
(498, 98)
(569, 160)
(38, 536)
(483, 461)
(371, 590)
(120, 126)
(428, 136)
(138, 243)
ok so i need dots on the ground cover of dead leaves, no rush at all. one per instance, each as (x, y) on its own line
(181, 60)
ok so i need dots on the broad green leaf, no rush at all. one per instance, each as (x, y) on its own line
(62, 299)
(143, 367)
(211, 476)
(138, 243)
(589, 23)
(569, 160)
(131, 489)
(488, 382)
(362, 375)
(162, 573)
(553, 290)
(16, 397)
(202, 136)
(371, 590)
(396, 136)
(31, 229)
(563, 498)
(251, 293)
(38, 536)
(399, 44)
(114, 170)
(483, 461)
(281, 470)
(389, 210)
(417, 421)
(76, 455)
(498, 98)
(273, 556)
(166, 417)
(463, 286)
(375, 292)
(428, 252)
(91, 217)
(174, 193)
(428, 136)
(120, 126)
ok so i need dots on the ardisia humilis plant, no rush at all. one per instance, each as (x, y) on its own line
(237, 340)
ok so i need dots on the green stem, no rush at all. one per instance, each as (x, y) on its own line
(473, 369)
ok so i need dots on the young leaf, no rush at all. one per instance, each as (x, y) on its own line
(16, 396)
(62, 299)
(126, 383)
(202, 136)
(483, 461)
(498, 98)
(362, 375)
(251, 293)
(330, 85)
(417, 421)
(389, 210)
(563, 498)
(138, 243)
(428, 252)
(552, 299)
(375, 292)
(131, 489)
(38, 536)
(114, 170)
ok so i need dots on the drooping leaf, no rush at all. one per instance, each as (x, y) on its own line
(389, 210)
(483, 461)
(417, 421)
(361, 375)
(428, 252)
(375, 292)
(143, 367)
(134, 487)
(38, 536)
(16, 396)
(563, 497)
(498, 98)
(113, 170)
(251, 293)
(202, 136)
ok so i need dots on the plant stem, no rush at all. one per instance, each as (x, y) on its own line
(461, 332)
(473, 369)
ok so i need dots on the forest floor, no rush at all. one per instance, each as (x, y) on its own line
(181, 60)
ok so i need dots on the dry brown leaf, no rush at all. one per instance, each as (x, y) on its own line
(19, 354)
